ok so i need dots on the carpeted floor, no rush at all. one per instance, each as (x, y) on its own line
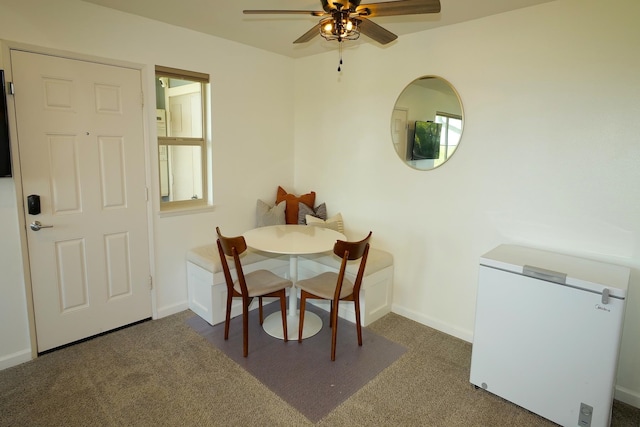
(302, 373)
(163, 373)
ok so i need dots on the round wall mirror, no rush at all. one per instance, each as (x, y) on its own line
(427, 122)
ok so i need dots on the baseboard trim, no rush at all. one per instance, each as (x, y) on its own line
(431, 322)
(15, 359)
(630, 397)
(625, 395)
(172, 309)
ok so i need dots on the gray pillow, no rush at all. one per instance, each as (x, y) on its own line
(270, 215)
(303, 210)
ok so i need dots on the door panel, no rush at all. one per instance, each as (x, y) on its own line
(81, 147)
(118, 265)
(64, 174)
(72, 280)
(112, 178)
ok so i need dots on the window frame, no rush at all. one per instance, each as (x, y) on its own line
(446, 117)
(172, 141)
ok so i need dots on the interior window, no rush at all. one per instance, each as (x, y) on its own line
(182, 147)
(450, 134)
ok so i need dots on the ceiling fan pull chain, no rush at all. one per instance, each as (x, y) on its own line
(340, 50)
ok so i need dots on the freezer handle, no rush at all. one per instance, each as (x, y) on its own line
(542, 274)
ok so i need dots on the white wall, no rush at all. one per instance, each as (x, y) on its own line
(549, 156)
(246, 128)
(14, 328)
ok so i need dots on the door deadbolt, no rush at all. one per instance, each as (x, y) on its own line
(33, 204)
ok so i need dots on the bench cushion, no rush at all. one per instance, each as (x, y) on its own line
(376, 261)
(207, 257)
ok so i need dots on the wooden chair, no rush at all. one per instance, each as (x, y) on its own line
(336, 287)
(259, 283)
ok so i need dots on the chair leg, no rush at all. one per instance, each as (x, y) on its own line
(334, 329)
(227, 319)
(356, 302)
(260, 309)
(331, 314)
(283, 310)
(303, 302)
(245, 330)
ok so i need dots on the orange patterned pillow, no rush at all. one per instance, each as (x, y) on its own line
(291, 212)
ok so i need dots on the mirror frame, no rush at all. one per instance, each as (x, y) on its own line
(402, 149)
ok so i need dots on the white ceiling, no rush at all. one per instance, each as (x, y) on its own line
(276, 33)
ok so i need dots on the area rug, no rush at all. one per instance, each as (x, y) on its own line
(303, 374)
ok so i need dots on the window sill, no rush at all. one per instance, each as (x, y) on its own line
(184, 210)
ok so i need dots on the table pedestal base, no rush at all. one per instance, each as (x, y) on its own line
(273, 325)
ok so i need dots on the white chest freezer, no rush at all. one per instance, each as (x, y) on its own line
(547, 333)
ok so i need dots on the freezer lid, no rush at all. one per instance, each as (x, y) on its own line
(583, 273)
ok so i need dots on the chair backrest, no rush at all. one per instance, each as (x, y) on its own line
(350, 251)
(232, 247)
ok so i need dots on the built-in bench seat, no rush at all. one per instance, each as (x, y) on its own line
(207, 289)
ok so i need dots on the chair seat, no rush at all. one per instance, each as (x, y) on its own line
(324, 285)
(261, 282)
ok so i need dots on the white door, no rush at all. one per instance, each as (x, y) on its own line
(80, 136)
(185, 110)
(185, 162)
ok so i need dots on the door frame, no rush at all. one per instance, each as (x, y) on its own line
(5, 59)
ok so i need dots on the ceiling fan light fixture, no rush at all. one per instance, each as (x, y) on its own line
(340, 27)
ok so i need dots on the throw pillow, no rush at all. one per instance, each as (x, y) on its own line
(334, 223)
(291, 211)
(303, 210)
(269, 215)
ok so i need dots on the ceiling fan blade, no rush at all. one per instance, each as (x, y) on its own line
(309, 34)
(376, 32)
(353, 5)
(402, 7)
(283, 12)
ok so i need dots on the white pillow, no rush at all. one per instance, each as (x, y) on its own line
(334, 223)
(268, 215)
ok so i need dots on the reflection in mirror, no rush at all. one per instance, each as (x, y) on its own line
(427, 122)
(180, 172)
(181, 142)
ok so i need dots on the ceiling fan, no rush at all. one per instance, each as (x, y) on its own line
(345, 20)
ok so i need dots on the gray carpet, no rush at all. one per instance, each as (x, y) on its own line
(302, 373)
(163, 373)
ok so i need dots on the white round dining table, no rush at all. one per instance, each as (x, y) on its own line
(292, 240)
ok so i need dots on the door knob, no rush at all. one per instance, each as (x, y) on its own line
(36, 226)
